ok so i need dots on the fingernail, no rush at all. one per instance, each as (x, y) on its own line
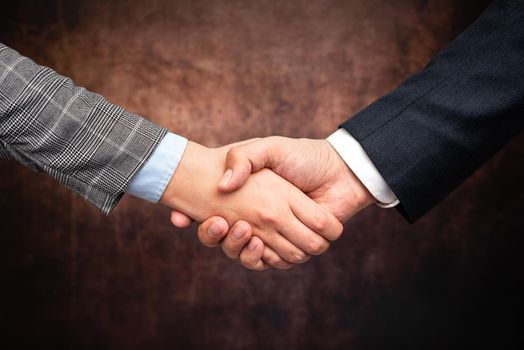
(238, 233)
(214, 230)
(252, 246)
(226, 177)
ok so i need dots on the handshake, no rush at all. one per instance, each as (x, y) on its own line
(274, 202)
(271, 202)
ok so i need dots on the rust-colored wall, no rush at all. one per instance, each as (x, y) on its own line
(221, 71)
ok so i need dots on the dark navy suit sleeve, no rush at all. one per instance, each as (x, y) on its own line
(431, 133)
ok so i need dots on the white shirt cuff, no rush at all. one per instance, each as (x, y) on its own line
(151, 181)
(358, 161)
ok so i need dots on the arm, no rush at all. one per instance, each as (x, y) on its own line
(431, 133)
(97, 149)
(86, 143)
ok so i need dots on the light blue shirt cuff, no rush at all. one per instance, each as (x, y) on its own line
(151, 181)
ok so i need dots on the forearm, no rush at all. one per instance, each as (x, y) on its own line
(86, 143)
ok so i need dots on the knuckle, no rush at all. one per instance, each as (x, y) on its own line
(233, 153)
(321, 221)
(254, 266)
(317, 246)
(338, 231)
(272, 259)
(248, 261)
(268, 217)
(298, 257)
(286, 266)
(229, 252)
(282, 265)
(277, 262)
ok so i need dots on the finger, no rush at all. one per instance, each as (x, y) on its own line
(303, 237)
(180, 220)
(242, 160)
(316, 217)
(251, 257)
(237, 238)
(212, 231)
(270, 257)
(283, 247)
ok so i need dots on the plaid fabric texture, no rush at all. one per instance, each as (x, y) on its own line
(86, 143)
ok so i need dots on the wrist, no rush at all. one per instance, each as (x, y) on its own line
(194, 180)
(356, 158)
(363, 197)
(353, 194)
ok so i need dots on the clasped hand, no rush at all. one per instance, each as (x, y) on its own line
(284, 199)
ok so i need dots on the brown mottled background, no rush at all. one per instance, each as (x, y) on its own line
(222, 71)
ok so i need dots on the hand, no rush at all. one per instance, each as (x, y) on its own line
(311, 165)
(290, 225)
(215, 229)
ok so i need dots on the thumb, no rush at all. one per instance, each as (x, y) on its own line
(243, 160)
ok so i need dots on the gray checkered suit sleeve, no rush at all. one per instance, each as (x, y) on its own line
(86, 143)
(3, 152)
